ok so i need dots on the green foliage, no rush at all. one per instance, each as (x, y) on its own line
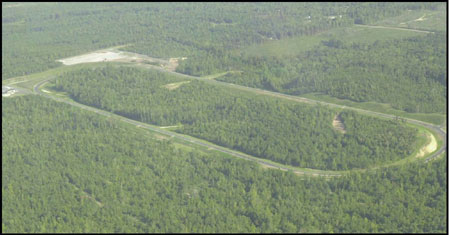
(282, 131)
(67, 170)
(358, 72)
(35, 35)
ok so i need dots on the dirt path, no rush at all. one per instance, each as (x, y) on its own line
(421, 18)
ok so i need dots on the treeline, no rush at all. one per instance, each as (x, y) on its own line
(409, 74)
(67, 170)
(36, 35)
(282, 131)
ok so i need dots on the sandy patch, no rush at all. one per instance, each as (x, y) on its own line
(429, 148)
(93, 57)
(338, 125)
(172, 86)
(45, 91)
(420, 19)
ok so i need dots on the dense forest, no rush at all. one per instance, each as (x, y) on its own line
(35, 35)
(282, 131)
(67, 170)
(354, 71)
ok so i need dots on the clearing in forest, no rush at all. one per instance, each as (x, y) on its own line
(99, 56)
(337, 124)
(172, 86)
(112, 54)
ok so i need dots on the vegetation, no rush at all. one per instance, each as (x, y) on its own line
(34, 36)
(66, 169)
(418, 19)
(282, 131)
(71, 171)
(355, 71)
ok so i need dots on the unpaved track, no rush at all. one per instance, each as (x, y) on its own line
(310, 172)
(388, 27)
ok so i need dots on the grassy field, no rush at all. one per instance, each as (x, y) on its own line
(435, 118)
(368, 35)
(297, 45)
(418, 19)
(284, 47)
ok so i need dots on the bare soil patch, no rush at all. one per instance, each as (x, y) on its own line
(112, 54)
(338, 125)
(429, 148)
(99, 56)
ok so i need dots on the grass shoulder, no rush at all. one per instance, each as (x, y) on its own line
(434, 118)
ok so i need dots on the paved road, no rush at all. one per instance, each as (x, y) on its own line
(176, 135)
(433, 127)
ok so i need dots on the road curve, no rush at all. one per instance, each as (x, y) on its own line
(177, 135)
(435, 128)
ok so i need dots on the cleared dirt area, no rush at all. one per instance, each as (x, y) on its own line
(172, 86)
(429, 148)
(112, 54)
(93, 57)
(338, 125)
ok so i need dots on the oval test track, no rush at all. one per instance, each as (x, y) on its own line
(437, 129)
